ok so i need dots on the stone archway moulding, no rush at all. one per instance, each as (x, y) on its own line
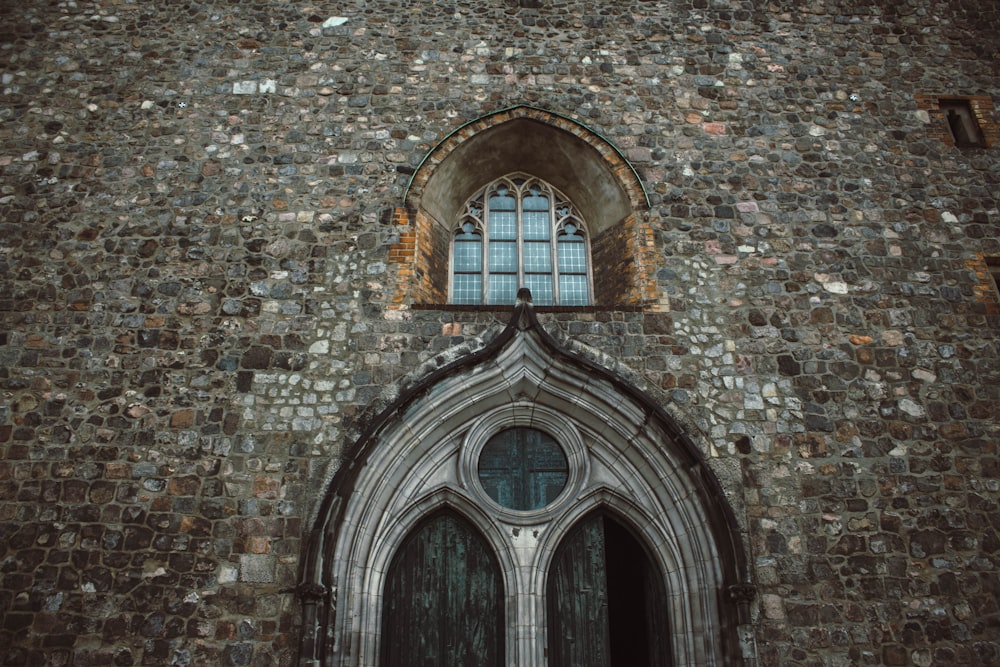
(564, 152)
(635, 463)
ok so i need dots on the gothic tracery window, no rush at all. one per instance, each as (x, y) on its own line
(520, 232)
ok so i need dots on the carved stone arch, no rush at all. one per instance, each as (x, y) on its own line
(639, 465)
(563, 152)
(571, 157)
(384, 547)
(677, 560)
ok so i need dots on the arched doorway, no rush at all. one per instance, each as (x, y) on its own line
(443, 601)
(540, 451)
(606, 600)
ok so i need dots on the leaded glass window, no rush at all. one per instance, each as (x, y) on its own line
(523, 468)
(520, 232)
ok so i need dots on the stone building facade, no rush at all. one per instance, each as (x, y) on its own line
(236, 384)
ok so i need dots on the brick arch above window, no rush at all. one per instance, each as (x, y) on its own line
(574, 159)
(561, 151)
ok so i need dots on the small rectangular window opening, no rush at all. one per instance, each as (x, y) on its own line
(993, 263)
(962, 123)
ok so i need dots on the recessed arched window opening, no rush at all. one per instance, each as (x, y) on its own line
(611, 234)
(443, 601)
(606, 600)
(518, 232)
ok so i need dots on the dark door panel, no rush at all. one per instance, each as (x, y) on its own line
(443, 599)
(606, 601)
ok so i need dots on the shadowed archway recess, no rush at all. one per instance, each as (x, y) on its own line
(627, 456)
(603, 187)
(563, 152)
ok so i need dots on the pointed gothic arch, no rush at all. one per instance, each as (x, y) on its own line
(626, 618)
(557, 149)
(574, 159)
(627, 458)
(443, 598)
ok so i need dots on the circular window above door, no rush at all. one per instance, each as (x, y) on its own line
(523, 468)
(524, 461)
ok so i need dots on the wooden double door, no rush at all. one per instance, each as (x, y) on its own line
(444, 600)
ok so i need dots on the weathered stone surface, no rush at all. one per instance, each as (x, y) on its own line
(196, 296)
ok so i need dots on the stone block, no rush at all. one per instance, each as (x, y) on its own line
(257, 568)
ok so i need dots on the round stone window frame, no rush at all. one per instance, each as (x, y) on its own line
(524, 414)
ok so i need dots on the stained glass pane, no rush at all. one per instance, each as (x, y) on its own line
(537, 257)
(536, 225)
(503, 257)
(540, 285)
(573, 290)
(467, 288)
(503, 288)
(502, 200)
(572, 257)
(468, 256)
(503, 225)
(535, 201)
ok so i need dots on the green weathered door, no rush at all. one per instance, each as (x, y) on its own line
(443, 599)
(578, 600)
(606, 605)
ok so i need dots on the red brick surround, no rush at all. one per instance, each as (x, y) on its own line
(982, 109)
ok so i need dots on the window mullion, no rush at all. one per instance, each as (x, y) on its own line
(554, 248)
(520, 239)
(485, 287)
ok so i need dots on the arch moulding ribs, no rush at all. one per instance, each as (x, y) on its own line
(615, 161)
(320, 582)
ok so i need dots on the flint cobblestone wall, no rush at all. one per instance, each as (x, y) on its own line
(199, 304)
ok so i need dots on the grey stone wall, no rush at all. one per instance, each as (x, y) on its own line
(195, 293)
